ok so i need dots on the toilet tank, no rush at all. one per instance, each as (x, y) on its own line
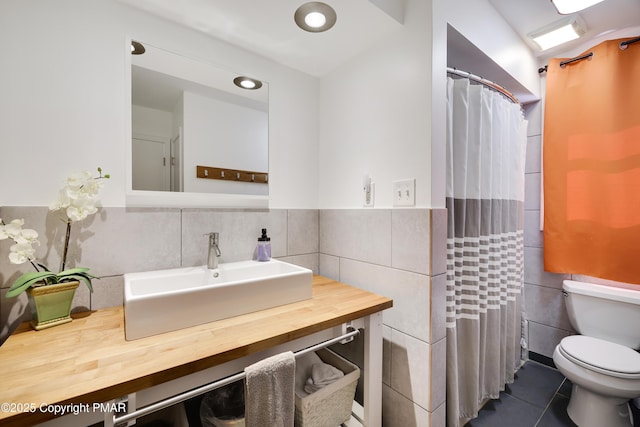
(604, 312)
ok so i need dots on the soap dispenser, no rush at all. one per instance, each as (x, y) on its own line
(264, 246)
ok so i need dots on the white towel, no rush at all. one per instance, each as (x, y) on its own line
(322, 374)
(304, 364)
(269, 392)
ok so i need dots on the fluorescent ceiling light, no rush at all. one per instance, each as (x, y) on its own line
(557, 33)
(565, 7)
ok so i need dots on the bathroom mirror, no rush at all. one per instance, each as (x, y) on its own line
(197, 138)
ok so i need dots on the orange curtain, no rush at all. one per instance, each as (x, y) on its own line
(592, 164)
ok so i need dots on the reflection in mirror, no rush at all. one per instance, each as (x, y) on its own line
(187, 113)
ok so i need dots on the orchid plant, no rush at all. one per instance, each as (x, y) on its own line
(77, 200)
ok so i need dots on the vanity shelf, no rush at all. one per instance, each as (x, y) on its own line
(89, 361)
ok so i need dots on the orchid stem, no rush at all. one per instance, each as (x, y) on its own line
(66, 245)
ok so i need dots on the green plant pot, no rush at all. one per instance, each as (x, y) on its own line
(51, 304)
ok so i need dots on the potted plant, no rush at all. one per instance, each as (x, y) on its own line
(51, 294)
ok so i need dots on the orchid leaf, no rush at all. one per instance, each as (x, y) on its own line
(78, 273)
(71, 271)
(86, 278)
(26, 280)
(29, 279)
(44, 267)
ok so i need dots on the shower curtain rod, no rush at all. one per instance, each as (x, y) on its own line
(568, 61)
(623, 45)
(485, 82)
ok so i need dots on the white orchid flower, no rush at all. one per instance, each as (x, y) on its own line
(14, 228)
(79, 179)
(21, 253)
(80, 209)
(78, 198)
(61, 202)
(27, 236)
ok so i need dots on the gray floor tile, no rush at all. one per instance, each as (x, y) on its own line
(507, 411)
(556, 415)
(536, 383)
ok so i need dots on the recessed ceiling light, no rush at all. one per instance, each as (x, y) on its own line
(137, 48)
(315, 17)
(565, 7)
(247, 83)
(557, 33)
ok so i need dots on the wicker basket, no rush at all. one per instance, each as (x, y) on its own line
(331, 405)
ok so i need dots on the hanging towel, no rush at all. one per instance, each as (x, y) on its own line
(269, 392)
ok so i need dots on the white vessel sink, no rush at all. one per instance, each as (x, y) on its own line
(167, 300)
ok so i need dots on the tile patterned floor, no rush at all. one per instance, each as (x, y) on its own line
(538, 398)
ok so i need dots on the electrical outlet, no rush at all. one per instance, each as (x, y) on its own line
(404, 192)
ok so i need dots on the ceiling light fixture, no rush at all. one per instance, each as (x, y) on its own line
(247, 83)
(137, 48)
(565, 7)
(557, 33)
(315, 17)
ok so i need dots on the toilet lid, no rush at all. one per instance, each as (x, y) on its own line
(602, 356)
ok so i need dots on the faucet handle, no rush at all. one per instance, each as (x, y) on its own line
(214, 238)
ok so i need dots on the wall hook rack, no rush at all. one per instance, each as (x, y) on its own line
(210, 172)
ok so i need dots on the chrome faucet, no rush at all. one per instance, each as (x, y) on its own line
(214, 250)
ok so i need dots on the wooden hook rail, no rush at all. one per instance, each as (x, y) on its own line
(208, 172)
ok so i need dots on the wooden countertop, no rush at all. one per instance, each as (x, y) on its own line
(89, 360)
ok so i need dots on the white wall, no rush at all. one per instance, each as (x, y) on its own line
(383, 112)
(151, 122)
(375, 117)
(482, 25)
(64, 90)
(223, 135)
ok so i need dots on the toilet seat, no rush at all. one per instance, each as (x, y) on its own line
(601, 356)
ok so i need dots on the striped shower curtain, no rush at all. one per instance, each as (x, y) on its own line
(486, 143)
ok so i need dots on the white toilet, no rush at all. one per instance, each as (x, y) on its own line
(602, 362)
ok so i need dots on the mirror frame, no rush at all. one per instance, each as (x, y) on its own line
(168, 199)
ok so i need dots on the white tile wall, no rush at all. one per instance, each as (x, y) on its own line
(410, 242)
(438, 307)
(438, 242)
(543, 301)
(410, 293)
(359, 234)
(391, 252)
(302, 231)
(239, 231)
(411, 368)
(397, 410)
(120, 240)
(353, 249)
(329, 266)
(546, 306)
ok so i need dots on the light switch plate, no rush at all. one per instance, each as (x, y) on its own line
(404, 192)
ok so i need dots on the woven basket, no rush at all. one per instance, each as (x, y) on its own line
(331, 405)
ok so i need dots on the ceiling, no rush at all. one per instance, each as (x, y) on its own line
(267, 27)
(526, 16)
